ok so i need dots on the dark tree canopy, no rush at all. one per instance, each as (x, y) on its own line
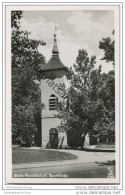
(108, 47)
(26, 64)
(15, 18)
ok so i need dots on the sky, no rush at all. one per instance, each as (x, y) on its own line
(77, 29)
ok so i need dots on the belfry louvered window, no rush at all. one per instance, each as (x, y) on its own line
(53, 102)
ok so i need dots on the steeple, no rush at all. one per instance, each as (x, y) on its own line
(55, 50)
(54, 63)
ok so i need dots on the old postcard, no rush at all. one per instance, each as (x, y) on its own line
(62, 94)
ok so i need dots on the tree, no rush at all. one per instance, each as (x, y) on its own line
(106, 124)
(84, 105)
(15, 19)
(108, 46)
(26, 65)
(108, 90)
(89, 102)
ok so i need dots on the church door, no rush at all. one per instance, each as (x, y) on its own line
(53, 138)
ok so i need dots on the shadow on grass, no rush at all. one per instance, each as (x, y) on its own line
(106, 163)
(30, 156)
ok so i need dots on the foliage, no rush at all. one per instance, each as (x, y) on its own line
(15, 18)
(26, 64)
(89, 96)
(107, 122)
(108, 46)
(108, 90)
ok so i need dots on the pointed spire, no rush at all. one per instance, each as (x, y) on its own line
(55, 48)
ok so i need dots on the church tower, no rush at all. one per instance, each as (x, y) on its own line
(53, 74)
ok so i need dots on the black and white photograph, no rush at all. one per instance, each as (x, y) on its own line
(63, 82)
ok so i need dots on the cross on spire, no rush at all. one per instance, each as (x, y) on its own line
(55, 28)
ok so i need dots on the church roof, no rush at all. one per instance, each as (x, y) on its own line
(54, 62)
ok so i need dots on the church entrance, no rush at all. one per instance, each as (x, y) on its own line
(53, 137)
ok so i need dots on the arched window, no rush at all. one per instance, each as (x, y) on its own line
(53, 101)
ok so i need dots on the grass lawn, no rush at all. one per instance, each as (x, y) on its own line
(32, 155)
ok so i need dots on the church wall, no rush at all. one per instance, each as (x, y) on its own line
(47, 89)
(48, 120)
